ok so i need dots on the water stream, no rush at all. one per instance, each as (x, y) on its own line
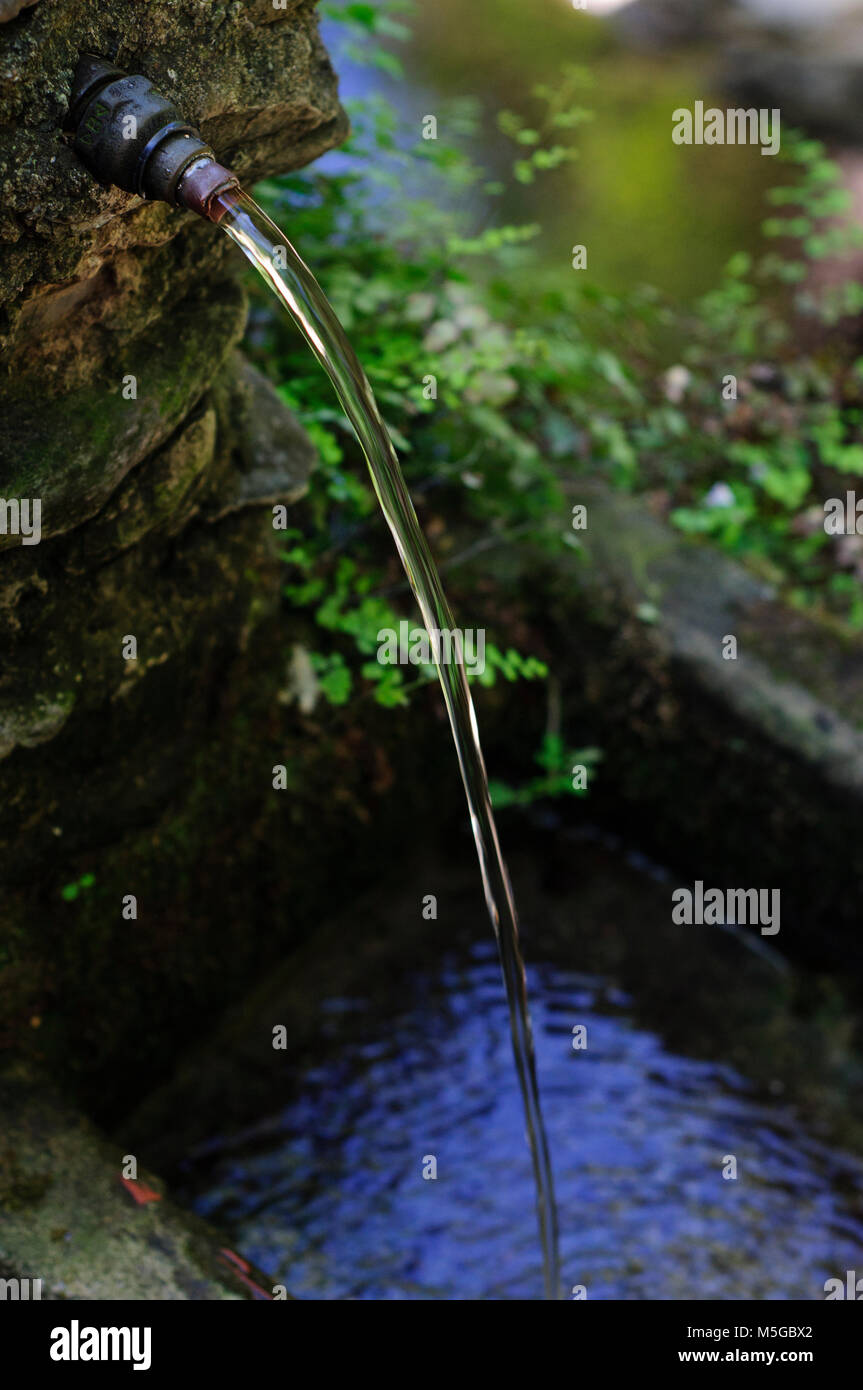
(399, 1048)
(294, 285)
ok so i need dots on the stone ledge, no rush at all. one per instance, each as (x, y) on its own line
(813, 708)
(68, 1219)
(735, 772)
(241, 449)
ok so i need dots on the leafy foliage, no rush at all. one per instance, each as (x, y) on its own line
(557, 777)
(70, 891)
(496, 376)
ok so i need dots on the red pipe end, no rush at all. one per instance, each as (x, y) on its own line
(201, 186)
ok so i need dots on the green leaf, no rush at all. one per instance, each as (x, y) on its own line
(388, 62)
(366, 15)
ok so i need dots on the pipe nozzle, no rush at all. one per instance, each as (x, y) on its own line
(128, 134)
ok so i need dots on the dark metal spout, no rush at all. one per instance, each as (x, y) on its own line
(128, 134)
(201, 185)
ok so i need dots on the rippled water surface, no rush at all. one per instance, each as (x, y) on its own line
(329, 1197)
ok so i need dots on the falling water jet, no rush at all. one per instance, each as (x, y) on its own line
(167, 159)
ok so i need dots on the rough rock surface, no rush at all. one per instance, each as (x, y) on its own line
(156, 523)
(97, 285)
(9, 8)
(750, 769)
(70, 1221)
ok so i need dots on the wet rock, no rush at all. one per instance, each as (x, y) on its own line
(9, 8)
(117, 313)
(156, 454)
(750, 768)
(74, 448)
(274, 457)
(70, 1221)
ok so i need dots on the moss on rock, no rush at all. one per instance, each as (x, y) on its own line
(69, 1220)
(156, 453)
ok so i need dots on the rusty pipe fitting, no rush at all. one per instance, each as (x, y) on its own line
(201, 183)
(128, 134)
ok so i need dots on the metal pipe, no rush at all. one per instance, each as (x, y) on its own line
(128, 134)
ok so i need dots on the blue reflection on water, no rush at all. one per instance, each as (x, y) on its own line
(329, 1198)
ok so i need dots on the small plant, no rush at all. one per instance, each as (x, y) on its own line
(751, 466)
(406, 295)
(562, 774)
(495, 379)
(70, 891)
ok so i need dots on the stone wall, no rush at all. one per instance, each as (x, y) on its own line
(134, 775)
